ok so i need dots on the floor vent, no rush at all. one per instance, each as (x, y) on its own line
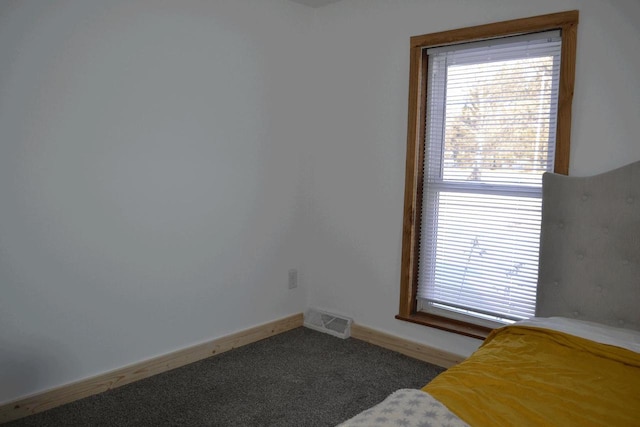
(328, 323)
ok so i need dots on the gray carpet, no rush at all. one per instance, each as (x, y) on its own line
(299, 378)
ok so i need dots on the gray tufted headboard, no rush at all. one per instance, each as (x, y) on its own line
(590, 247)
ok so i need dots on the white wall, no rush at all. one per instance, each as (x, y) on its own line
(149, 179)
(359, 140)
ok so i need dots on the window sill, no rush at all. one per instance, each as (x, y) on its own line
(449, 325)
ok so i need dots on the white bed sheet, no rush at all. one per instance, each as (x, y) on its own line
(619, 337)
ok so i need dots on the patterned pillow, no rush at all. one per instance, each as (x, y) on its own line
(406, 408)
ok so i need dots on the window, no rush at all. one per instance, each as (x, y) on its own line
(489, 112)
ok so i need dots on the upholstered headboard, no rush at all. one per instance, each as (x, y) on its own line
(590, 247)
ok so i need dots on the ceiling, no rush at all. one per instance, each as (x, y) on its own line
(315, 3)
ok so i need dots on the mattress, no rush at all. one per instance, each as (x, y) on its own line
(539, 372)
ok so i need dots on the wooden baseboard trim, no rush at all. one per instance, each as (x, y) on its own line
(110, 380)
(406, 347)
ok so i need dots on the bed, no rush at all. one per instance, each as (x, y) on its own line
(577, 363)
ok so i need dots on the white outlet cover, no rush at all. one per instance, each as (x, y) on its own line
(293, 278)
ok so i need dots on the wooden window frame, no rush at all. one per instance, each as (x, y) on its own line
(567, 22)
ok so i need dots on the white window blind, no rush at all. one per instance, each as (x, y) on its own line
(491, 125)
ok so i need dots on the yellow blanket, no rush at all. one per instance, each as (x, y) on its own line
(526, 376)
